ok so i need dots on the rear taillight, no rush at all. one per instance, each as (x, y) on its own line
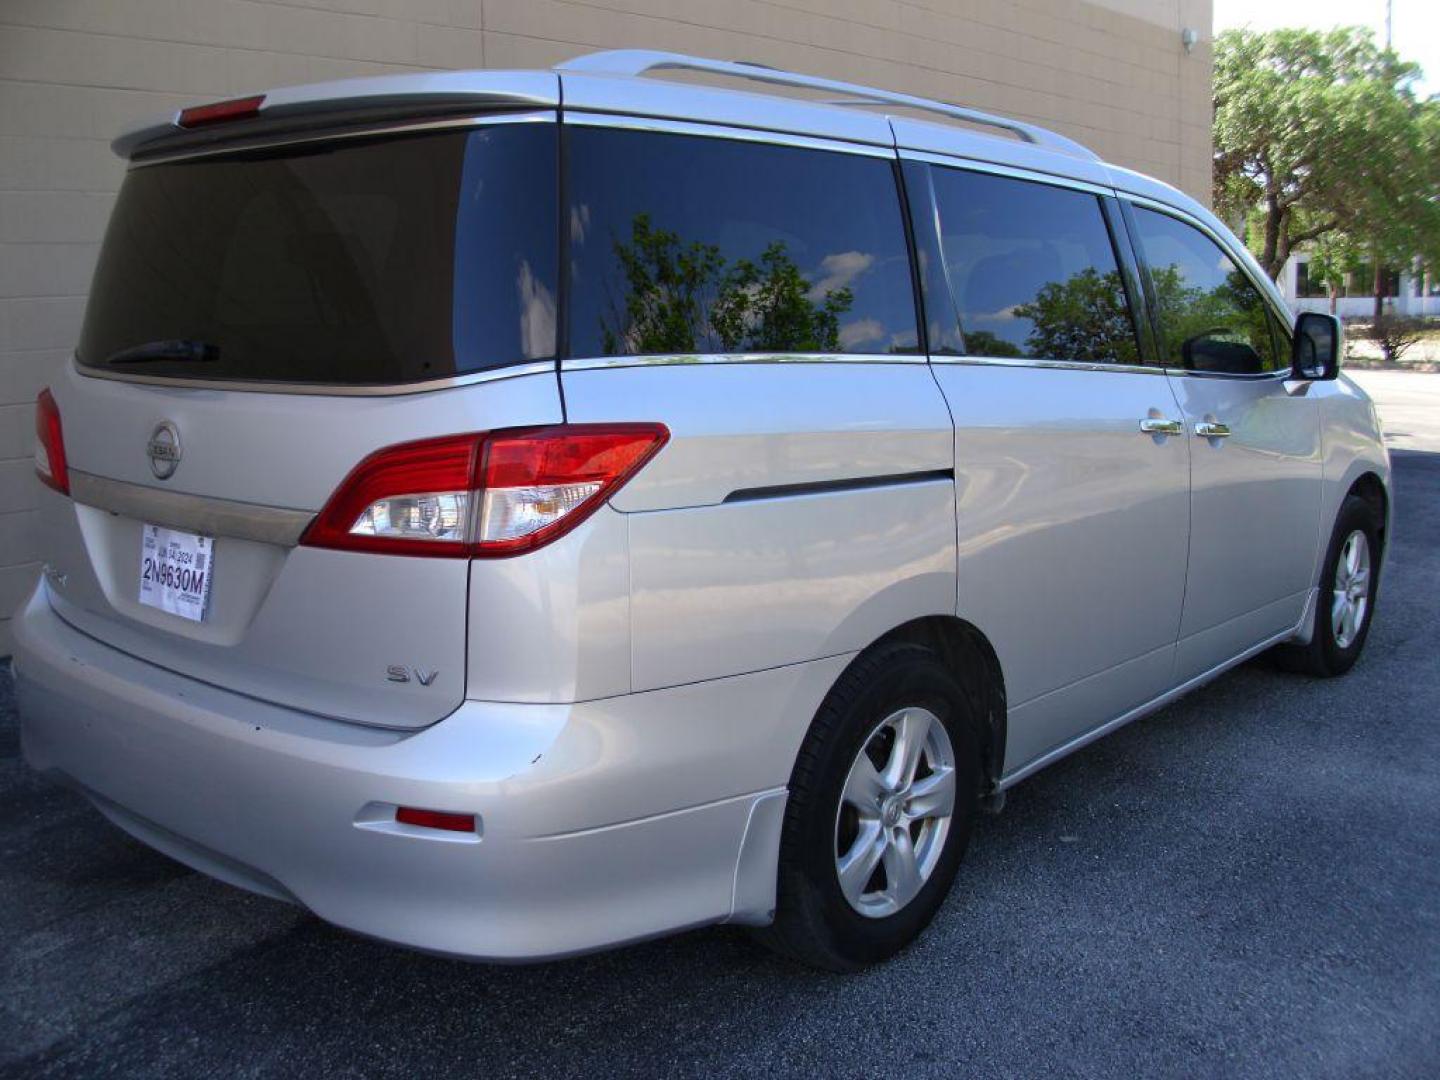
(50, 444)
(219, 112)
(468, 496)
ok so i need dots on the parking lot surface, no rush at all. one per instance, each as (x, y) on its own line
(1246, 883)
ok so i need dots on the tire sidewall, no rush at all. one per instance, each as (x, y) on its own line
(918, 680)
(1354, 514)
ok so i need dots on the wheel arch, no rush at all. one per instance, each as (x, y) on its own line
(967, 652)
(1371, 488)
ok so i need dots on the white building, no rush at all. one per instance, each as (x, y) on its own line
(1413, 292)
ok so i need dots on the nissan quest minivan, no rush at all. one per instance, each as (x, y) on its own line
(515, 513)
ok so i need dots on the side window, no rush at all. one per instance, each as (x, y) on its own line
(1211, 317)
(691, 244)
(1032, 270)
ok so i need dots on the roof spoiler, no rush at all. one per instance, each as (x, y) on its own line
(301, 110)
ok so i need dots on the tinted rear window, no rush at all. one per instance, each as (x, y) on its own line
(690, 244)
(349, 262)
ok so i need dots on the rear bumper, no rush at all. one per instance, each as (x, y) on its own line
(601, 821)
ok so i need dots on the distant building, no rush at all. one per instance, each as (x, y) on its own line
(1411, 292)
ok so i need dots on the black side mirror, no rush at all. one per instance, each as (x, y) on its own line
(1318, 343)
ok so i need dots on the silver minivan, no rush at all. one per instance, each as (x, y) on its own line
(515, 513)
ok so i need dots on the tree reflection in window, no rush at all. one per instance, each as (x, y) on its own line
(686, 298)
(684, 244)
(1084, 318)
(1211, 316)
(1222, 329)
(1032, 270)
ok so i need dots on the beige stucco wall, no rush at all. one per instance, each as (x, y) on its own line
(1111, 73)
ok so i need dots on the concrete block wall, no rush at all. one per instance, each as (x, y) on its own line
(1111, 73)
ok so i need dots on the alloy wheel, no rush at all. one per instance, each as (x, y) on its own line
(1350, 598)
(895, 812)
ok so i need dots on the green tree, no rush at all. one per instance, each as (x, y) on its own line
(766, 307)
(1082, 318)
(668, 288)
(1318, 133)
(989, 343)
(684, 298)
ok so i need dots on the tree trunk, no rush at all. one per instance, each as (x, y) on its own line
(1273, 217)
(1379, 288)
(1334, 293)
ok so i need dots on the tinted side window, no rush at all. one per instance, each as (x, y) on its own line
(1032, 270)
(1211, 317)
(690, 244)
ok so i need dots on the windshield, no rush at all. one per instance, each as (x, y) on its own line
(354, 261)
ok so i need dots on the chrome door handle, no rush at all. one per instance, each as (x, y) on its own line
(1207, 429)
(1154, 425)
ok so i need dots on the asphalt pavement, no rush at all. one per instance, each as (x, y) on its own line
(1245, 884)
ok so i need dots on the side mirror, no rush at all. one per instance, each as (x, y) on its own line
(1319, 341)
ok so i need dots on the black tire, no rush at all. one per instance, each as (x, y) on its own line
(815, 924)
(1324, 656)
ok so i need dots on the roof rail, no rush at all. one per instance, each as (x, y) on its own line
(635, 62)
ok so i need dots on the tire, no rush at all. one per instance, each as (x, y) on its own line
(887, 699)
(1338, 640)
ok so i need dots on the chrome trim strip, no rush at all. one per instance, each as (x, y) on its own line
(1253, 376)
(198, 513)
(1065, 365)
(979, 165)
(322, 134)
(514, 371)
(1084, 365)
(1153, 705)
(722, 131)
(597, 363)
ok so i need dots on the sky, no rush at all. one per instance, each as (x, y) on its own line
(1416, 24)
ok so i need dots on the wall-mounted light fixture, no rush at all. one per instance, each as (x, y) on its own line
(1188, 38)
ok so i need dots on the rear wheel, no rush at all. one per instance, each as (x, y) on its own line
(882, 801)
(1347, 595)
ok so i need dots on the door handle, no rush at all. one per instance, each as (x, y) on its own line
(1154, 425)
(1208, 429)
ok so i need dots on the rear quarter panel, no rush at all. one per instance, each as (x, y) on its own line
(721, 585)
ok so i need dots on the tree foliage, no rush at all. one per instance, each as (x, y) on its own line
(684, 298)
(1084, 318)
(1320, 133)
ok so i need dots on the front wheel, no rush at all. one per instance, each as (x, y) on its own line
(1348, 581)
(882, 801)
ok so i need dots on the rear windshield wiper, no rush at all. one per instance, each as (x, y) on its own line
(177, 349)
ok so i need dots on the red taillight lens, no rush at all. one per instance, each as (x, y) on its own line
(50, 444)
(469, 496)
(220, 111)
(410, 499)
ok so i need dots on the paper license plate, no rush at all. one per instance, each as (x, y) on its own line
(176, 571)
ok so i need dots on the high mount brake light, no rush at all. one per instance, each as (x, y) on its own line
(483, 495)
(218, 112)
(50, 463)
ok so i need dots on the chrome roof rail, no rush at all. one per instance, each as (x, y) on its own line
(636, 62)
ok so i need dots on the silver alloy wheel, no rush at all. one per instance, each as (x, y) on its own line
(894, 812)
(1351, 597)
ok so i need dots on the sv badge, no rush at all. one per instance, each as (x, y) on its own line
(401, 673)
